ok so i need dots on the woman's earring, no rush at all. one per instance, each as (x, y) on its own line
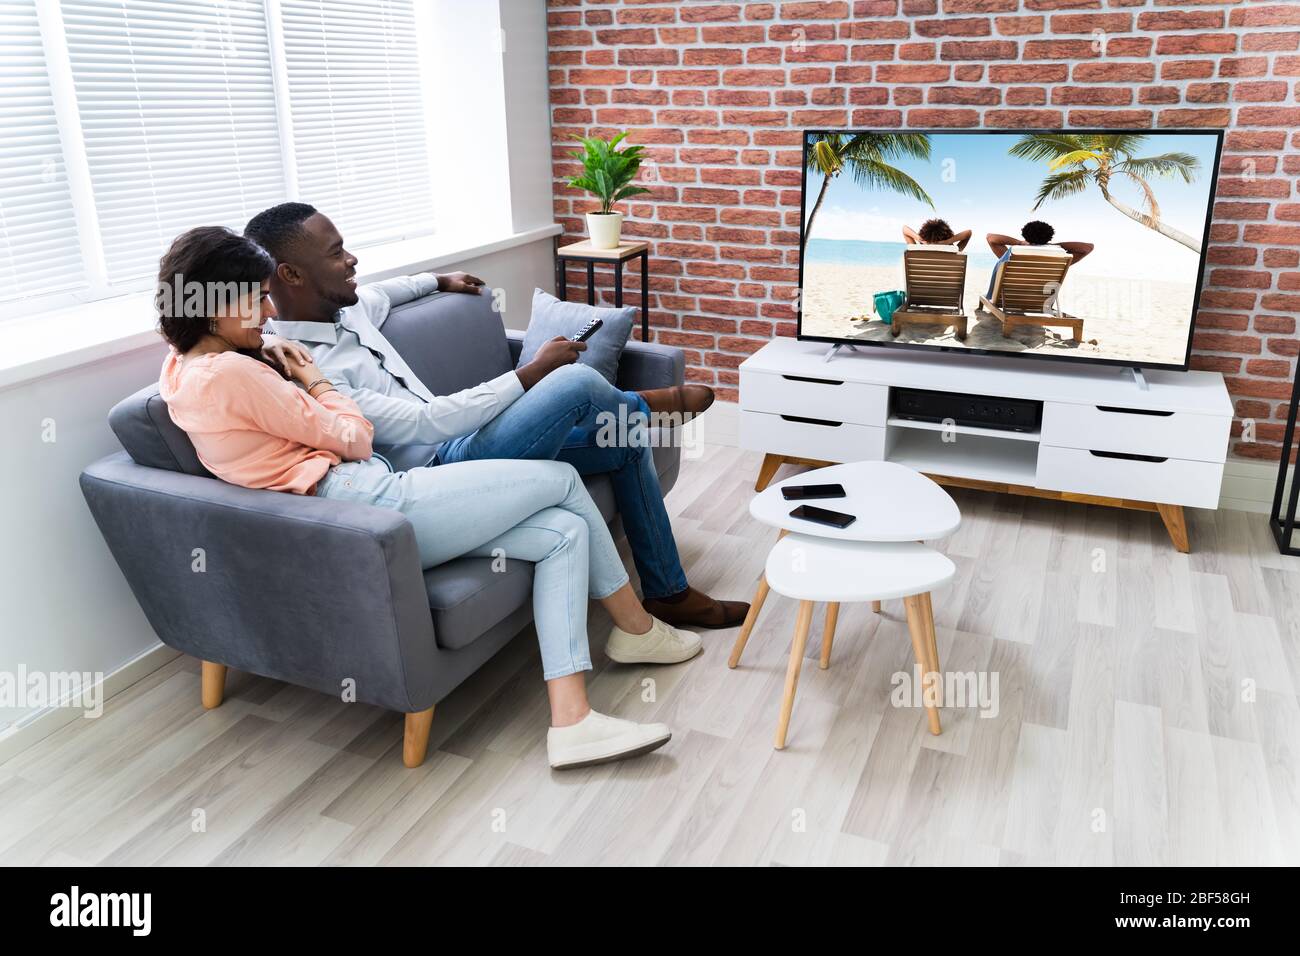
(212, 326)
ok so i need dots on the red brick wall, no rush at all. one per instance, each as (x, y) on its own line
(719, 91)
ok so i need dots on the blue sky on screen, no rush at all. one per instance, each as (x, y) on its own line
(991, 191)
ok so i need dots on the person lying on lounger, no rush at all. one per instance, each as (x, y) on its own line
(1035, 233)
(935, 232)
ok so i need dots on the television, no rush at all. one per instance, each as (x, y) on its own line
(1075, 245)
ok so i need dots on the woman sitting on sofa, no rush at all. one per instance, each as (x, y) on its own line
(275, 422)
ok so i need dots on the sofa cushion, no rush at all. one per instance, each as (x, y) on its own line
(551, 317)
(146, 430)
(451, 340)
(467, 597)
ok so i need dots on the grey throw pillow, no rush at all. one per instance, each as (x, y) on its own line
(552, 317)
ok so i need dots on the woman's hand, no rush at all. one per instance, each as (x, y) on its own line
(306, 374)
(284, 355)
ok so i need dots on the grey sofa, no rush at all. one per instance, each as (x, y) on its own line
(317, 592)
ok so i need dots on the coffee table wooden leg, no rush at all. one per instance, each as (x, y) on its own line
(920, 630)
(755, 606)
(934, 641)
(801, 627)
(828, 634)
(875, 606)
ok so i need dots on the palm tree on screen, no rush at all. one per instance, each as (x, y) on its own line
(1078, 161)
(868, 158)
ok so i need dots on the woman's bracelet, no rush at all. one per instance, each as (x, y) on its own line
(319, 381)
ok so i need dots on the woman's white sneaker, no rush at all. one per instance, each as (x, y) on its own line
(598, 738)
(662, 644)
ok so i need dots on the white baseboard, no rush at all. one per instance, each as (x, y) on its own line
(40, 725)
(720, 425)
(1247, 484)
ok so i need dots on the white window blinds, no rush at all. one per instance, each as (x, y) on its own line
(178, 114)
(39, 251)
(358, 115)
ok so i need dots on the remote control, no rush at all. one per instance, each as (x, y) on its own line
(588, 330)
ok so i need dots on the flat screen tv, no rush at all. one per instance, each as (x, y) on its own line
(1078, 245)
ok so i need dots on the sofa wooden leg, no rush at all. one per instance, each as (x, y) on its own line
(214, 684)
(415, 741)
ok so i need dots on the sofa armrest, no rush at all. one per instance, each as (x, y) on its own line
(292, 587)
(643, 365)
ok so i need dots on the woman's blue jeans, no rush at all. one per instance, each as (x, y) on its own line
(536, 511)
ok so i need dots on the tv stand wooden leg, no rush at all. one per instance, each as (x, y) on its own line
(1176, 524)
(771, 465)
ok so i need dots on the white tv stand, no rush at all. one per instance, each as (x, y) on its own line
(1104, 439)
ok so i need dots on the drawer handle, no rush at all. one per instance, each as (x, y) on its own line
(811, 421)
(1132, 411)
(815, 381)
(1126, 456)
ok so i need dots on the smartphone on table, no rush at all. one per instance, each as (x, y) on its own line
(834, 519)
(810, 492)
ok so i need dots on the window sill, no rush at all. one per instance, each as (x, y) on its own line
(50, 342)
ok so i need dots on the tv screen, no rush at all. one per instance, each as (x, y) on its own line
(1082, 245)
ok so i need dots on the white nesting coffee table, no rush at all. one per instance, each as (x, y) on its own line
(892, 503)
(876, 558)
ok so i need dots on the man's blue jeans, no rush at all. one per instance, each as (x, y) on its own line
(558, 418)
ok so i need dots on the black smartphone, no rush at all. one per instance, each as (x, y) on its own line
(809, 492)
(836, 519)
(588, 330)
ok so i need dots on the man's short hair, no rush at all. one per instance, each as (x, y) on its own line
(277, 229)
(1037, 233)
(935, 230)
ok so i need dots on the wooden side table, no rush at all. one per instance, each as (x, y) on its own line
(584, 252)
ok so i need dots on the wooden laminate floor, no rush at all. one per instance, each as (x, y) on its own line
(1146, 713)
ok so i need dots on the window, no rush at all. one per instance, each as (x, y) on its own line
(125, 122)
(39, 252)
(352, 67)
(177, 110)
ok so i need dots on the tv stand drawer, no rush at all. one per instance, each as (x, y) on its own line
(818, 439)
(1136, 431)
(814, 396)
(1108, 474)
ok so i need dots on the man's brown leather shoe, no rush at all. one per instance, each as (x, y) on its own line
(679, 399)
(698, 610)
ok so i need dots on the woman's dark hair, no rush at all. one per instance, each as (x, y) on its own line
(202, 273)
(935, 230)
(1037, 233)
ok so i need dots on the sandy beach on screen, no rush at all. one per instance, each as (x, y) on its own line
(1139, 320)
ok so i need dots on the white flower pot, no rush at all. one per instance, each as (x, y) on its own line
(604, 229)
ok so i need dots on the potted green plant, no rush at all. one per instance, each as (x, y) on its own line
(607, 173)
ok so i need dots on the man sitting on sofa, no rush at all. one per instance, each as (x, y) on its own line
(528, 413)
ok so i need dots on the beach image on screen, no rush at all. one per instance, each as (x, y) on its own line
(1072, 244)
